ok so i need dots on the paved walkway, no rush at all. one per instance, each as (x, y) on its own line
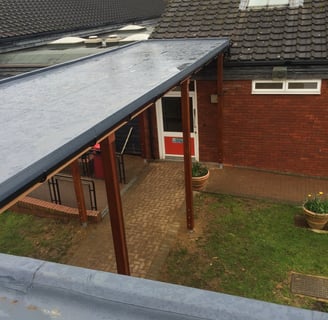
(154, 209)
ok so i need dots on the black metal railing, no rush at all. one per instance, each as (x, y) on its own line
(86, 165)
(55, 193)
(54, 190)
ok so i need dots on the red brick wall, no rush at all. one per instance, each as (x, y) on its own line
(287, 133)
(207, 122)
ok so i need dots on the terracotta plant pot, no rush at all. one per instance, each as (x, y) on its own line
(198, 183)
(316, 220)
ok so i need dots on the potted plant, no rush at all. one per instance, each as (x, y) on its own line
(316, 210)
(199, 174)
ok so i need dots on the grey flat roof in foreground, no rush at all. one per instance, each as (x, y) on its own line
(48, 116)
(34, 289)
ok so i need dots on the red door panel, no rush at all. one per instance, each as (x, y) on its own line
(174, 146)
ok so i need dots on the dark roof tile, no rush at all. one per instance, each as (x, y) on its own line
(289, 56)
(319, 27)
(268, 34)
(250, 38)
(34, 17)
(288, 49)
(320, 54)
(259, 57)
(319, 41)
(305, 29)
(306, 42)
(304, 55)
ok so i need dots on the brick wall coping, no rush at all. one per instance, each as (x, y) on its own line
(48, 209)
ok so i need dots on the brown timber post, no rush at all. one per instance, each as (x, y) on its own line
(78, 187)
(185, 111)
(145, 134)
(107, 147)
(220, 106)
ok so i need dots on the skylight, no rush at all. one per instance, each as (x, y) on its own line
(249, 4)
(261, 3)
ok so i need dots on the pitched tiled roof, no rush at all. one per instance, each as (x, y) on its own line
(26, 18)
(268, 34)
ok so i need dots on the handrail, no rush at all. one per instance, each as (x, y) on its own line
(126, 141)
(54, 188)
(120, 159)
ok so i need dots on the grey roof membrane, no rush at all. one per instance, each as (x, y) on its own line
(34, 289)
(48, 116)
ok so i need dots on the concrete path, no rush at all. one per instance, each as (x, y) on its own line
(262, 184)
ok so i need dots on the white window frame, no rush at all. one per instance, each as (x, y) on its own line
(269, 3)
(244, 4)
(285, 89)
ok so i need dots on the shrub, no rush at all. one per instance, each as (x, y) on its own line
(198, 169)
(317, 203)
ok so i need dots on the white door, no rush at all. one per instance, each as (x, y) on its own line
(169, 124)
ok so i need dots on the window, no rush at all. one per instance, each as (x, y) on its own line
(259, 4)
(269, 85)
(302, 85)
(286, 87)
(172, 118)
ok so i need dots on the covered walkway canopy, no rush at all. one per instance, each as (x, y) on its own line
(50, 116)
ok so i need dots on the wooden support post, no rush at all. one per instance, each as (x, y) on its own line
(114, 204)
(153, 133)
(220, 106)
(185, 111)
(145, 134)
(78, 187)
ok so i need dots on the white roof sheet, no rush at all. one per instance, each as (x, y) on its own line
(136, 37)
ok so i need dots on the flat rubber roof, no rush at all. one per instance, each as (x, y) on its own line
(48, 116)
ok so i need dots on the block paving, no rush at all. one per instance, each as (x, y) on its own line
(153, 210)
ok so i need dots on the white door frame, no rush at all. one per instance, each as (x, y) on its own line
(160, 128)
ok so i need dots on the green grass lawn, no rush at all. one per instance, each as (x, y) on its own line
(247, 248)
(31, 236)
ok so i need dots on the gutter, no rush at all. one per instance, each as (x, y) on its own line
(275, 63)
